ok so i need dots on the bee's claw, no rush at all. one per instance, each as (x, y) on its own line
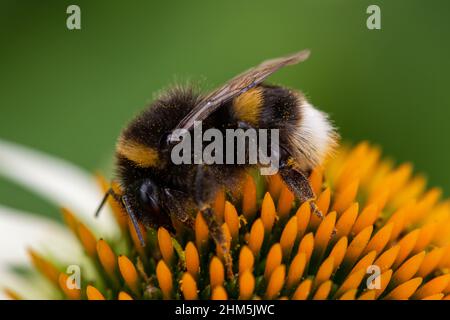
(319, 214)
(316, 210)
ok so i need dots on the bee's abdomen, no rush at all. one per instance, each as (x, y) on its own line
(267, 107)
(304, 132)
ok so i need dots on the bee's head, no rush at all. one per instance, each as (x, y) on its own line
(147, 204)
(149, 197)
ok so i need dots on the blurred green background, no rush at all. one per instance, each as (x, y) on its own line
(69, 93)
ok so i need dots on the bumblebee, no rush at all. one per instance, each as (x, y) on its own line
(157, 192)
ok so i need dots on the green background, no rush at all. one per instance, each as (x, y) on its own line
(69, 93)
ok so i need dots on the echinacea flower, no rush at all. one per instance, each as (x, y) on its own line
(383, 236)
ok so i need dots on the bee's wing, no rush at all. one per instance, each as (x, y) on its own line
(237, 86)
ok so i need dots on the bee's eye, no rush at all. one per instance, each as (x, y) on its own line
(149, 196)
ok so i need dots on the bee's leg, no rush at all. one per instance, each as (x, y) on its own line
(176, 209)
(298, 183)
(205, 190)
(296, 180)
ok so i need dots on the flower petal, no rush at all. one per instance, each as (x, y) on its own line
(57, 180)
(19, 231)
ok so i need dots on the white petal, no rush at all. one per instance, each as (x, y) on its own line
(19, 231)
(57, 180)
(33, 287)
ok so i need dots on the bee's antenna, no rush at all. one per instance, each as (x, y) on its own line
(133, 219)
(105, 197)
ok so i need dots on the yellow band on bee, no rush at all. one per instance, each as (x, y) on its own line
(247, 106)
(142, 155)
